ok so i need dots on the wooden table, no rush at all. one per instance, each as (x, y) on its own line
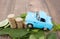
(52, 7)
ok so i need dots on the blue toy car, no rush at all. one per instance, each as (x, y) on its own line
(38, 20)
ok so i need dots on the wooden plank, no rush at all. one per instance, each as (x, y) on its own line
(54, 7)
(20, 6)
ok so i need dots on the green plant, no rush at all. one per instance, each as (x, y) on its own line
(14, 33)
(56, 27)
(51, 35)
(27, 33)
(23, 16)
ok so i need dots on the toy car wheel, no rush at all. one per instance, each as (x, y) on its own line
(45, 28)
(29, 25)
(48, 29)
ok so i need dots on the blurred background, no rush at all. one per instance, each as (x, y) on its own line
(17, 7)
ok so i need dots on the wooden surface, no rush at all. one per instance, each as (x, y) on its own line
(52, 7)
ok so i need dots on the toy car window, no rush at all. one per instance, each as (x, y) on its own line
(43, 20)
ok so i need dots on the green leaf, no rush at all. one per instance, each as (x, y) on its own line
(14, 38)
(1, 28)
(38, 34)
(32, 37)
(56, 27)
(23, 15)
(51, 35)
(18, 32)
(3, 23)
(42, 37)
(26, 36)
(14, 32)
(35, 30)
(4, 31)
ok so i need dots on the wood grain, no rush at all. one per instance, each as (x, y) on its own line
(52, 7)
